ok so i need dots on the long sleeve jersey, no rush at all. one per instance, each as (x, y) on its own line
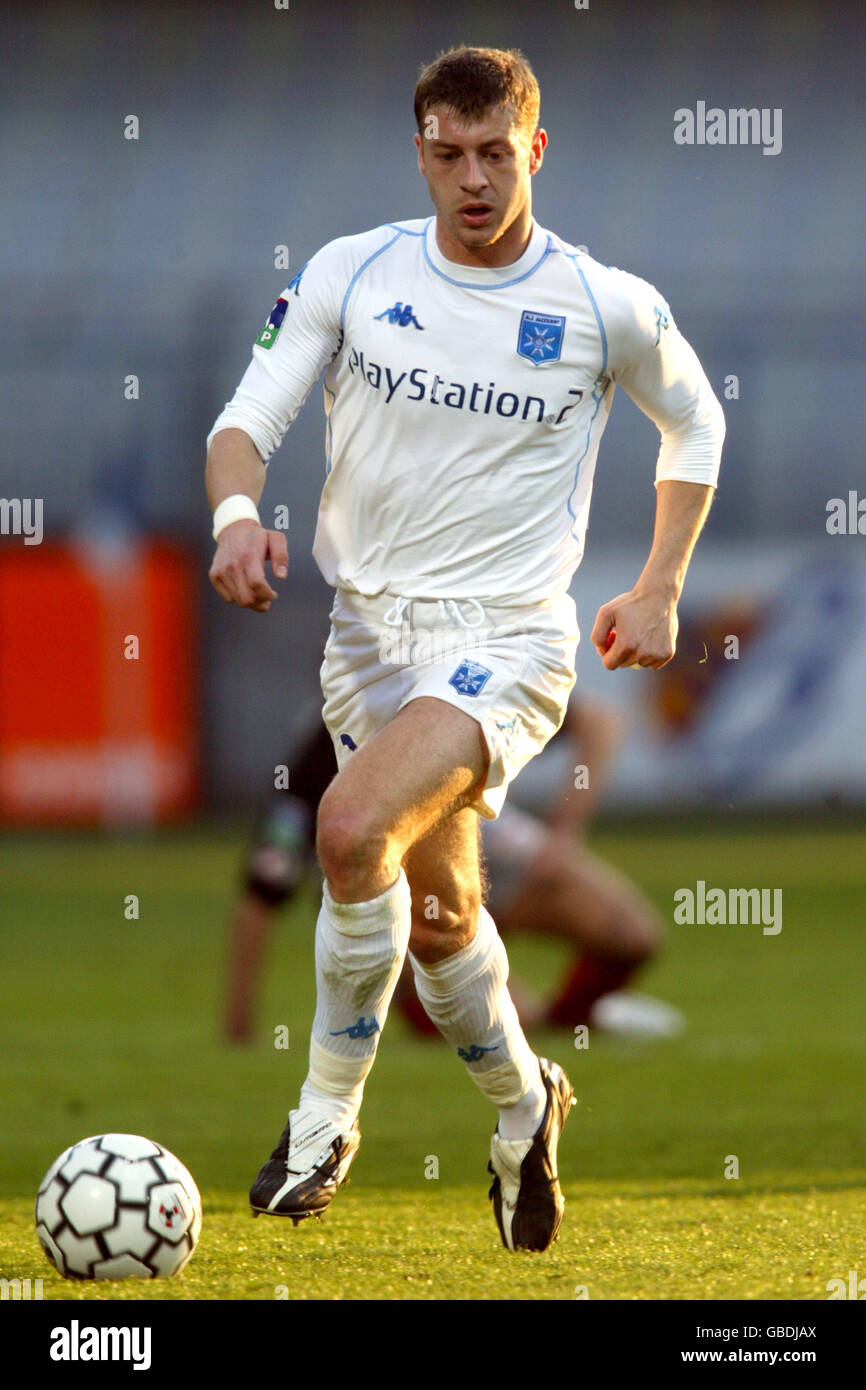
(465, 406)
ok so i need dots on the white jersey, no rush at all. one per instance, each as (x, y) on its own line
(465, 407)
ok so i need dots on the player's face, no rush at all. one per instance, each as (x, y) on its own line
(479, 177)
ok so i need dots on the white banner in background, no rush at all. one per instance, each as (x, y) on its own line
(774, 717)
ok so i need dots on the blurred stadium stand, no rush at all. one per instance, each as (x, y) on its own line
(261, 127)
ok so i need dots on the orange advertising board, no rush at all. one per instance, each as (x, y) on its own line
(98, 703)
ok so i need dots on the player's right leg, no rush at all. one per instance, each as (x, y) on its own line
(421, 765)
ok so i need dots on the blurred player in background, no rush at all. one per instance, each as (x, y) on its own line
(541, 878)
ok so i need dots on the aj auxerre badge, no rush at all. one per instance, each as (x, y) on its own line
(268, 335)
(539, 337)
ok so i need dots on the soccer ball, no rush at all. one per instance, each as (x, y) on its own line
(118, 1206)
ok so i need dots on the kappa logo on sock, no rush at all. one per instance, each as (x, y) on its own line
(361, 1029)
(474, 1052)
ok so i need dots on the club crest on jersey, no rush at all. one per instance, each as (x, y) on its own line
(268, 335)
(540, 337)
(470, 678)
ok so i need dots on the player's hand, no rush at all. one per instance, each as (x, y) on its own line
(644, 628)
(238, 569)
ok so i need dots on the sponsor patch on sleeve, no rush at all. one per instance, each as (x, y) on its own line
(268, 335)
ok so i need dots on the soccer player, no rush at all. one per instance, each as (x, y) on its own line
(471, 360)
(541, 878)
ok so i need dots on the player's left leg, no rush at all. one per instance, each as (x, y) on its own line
(415, 771)
(465, 993)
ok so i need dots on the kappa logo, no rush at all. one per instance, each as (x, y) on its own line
(474, 1052)
(400, 314)
(663, 319)
(508, 727)
(470, 678)
(361, 1029)
(295, 282)
(539, 339)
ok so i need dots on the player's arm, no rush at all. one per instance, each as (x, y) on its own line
(235, 469)
(301, 335)
(660, 371)
(645, 618)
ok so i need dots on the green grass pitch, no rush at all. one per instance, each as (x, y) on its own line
(111, 1024)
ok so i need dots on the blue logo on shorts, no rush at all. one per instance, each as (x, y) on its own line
(540, 337)
(470, 678)
(348, 742)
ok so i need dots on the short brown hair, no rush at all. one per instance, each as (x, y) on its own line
(470, 81)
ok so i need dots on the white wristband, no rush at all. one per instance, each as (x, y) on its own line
(238, 507)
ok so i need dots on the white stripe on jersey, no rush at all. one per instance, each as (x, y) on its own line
(465, 407)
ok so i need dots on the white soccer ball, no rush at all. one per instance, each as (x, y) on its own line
(118, 1206)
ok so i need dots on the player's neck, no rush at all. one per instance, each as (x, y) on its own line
(504, 251)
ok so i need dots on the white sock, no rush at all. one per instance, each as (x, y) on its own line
(467, 998)
(360, 949)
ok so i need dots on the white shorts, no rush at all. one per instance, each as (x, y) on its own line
(511, 669)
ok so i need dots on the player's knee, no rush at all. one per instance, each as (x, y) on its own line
(440, 927)
(346, 850)
(348, 842)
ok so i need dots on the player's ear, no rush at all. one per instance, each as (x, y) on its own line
(419, 147)
(536, 150)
